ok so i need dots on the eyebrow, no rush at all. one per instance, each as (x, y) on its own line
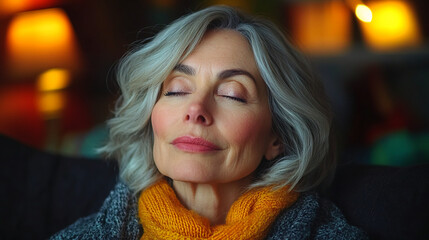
(235, 72)
(188, 70)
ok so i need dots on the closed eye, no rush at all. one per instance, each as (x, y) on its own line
(168, 93)
(235, 98)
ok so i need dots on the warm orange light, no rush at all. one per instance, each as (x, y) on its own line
(363, 13)
(53, 79)
(39, 40)
(13, 6)
(9, 6)
(393, 25)
(321, 27)
(51, 103)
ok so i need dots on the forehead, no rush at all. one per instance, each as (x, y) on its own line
(224, 47)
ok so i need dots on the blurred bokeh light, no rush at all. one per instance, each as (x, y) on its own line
(393, 25)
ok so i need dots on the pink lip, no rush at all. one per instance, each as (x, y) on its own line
(194, 144)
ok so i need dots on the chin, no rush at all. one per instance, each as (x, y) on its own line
(191, 176)
(190, 173)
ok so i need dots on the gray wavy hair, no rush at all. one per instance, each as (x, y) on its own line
(300, 112)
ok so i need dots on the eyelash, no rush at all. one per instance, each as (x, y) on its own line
(168, 93)
(235, 98)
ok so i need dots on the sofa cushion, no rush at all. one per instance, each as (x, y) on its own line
(43, 193)
(387, 202)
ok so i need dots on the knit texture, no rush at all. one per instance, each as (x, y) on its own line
(310, 217)
(164, 217)
(117, 219)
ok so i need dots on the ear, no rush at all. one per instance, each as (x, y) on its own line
(274, 148)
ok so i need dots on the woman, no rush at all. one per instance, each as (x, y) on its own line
(220, 132)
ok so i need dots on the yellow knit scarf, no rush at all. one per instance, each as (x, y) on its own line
(164, 217)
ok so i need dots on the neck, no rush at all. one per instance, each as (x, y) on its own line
(212, 201)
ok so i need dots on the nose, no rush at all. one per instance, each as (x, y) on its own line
(198, 113)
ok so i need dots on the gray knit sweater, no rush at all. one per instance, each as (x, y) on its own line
(309, 218)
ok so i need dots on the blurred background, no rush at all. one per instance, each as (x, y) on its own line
(57, 61)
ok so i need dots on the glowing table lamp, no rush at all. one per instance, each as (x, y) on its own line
(40, 40)
(41, 46)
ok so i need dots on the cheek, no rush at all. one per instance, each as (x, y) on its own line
(160, 120)
(249, 129)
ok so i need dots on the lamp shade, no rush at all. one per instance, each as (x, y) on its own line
(321, 27)
(41, 40)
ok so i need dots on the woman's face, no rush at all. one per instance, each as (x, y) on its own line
(212, 123)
